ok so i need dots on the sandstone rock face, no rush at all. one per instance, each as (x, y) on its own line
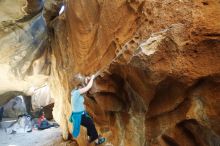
(15, 107)
(41, 98)
(159, 63)
(24, 51)
(23, 38)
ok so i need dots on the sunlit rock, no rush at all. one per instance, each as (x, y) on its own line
(157, 65)
(150, 55)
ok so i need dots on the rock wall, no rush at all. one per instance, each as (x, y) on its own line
(24, 50)
(159, 66)
(24, 59)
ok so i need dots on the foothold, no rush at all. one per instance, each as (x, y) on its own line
(151, 22)
(132, 42)
(205, 3)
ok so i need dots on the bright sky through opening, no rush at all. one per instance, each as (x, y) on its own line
(62, 9)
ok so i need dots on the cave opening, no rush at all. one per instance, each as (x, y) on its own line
(17, 103)
(62, 9)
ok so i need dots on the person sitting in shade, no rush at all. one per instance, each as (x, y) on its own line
(42, 122)
(79, 115)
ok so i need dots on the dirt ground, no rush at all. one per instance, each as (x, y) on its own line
(47, 137)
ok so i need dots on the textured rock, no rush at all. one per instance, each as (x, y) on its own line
(152, 57)
(158, 64)
(23, 36)
(15, 107)
(41, 97)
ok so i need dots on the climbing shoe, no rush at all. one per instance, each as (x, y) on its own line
(101, 140)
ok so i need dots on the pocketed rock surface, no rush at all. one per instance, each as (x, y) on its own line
(159, 66)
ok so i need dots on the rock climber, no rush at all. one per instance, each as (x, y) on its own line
(79, 115)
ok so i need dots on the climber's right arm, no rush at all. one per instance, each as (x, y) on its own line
(88, 86)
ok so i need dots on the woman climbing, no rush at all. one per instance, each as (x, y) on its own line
(79, 115)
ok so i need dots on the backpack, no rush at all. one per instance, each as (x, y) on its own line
(22, 125)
